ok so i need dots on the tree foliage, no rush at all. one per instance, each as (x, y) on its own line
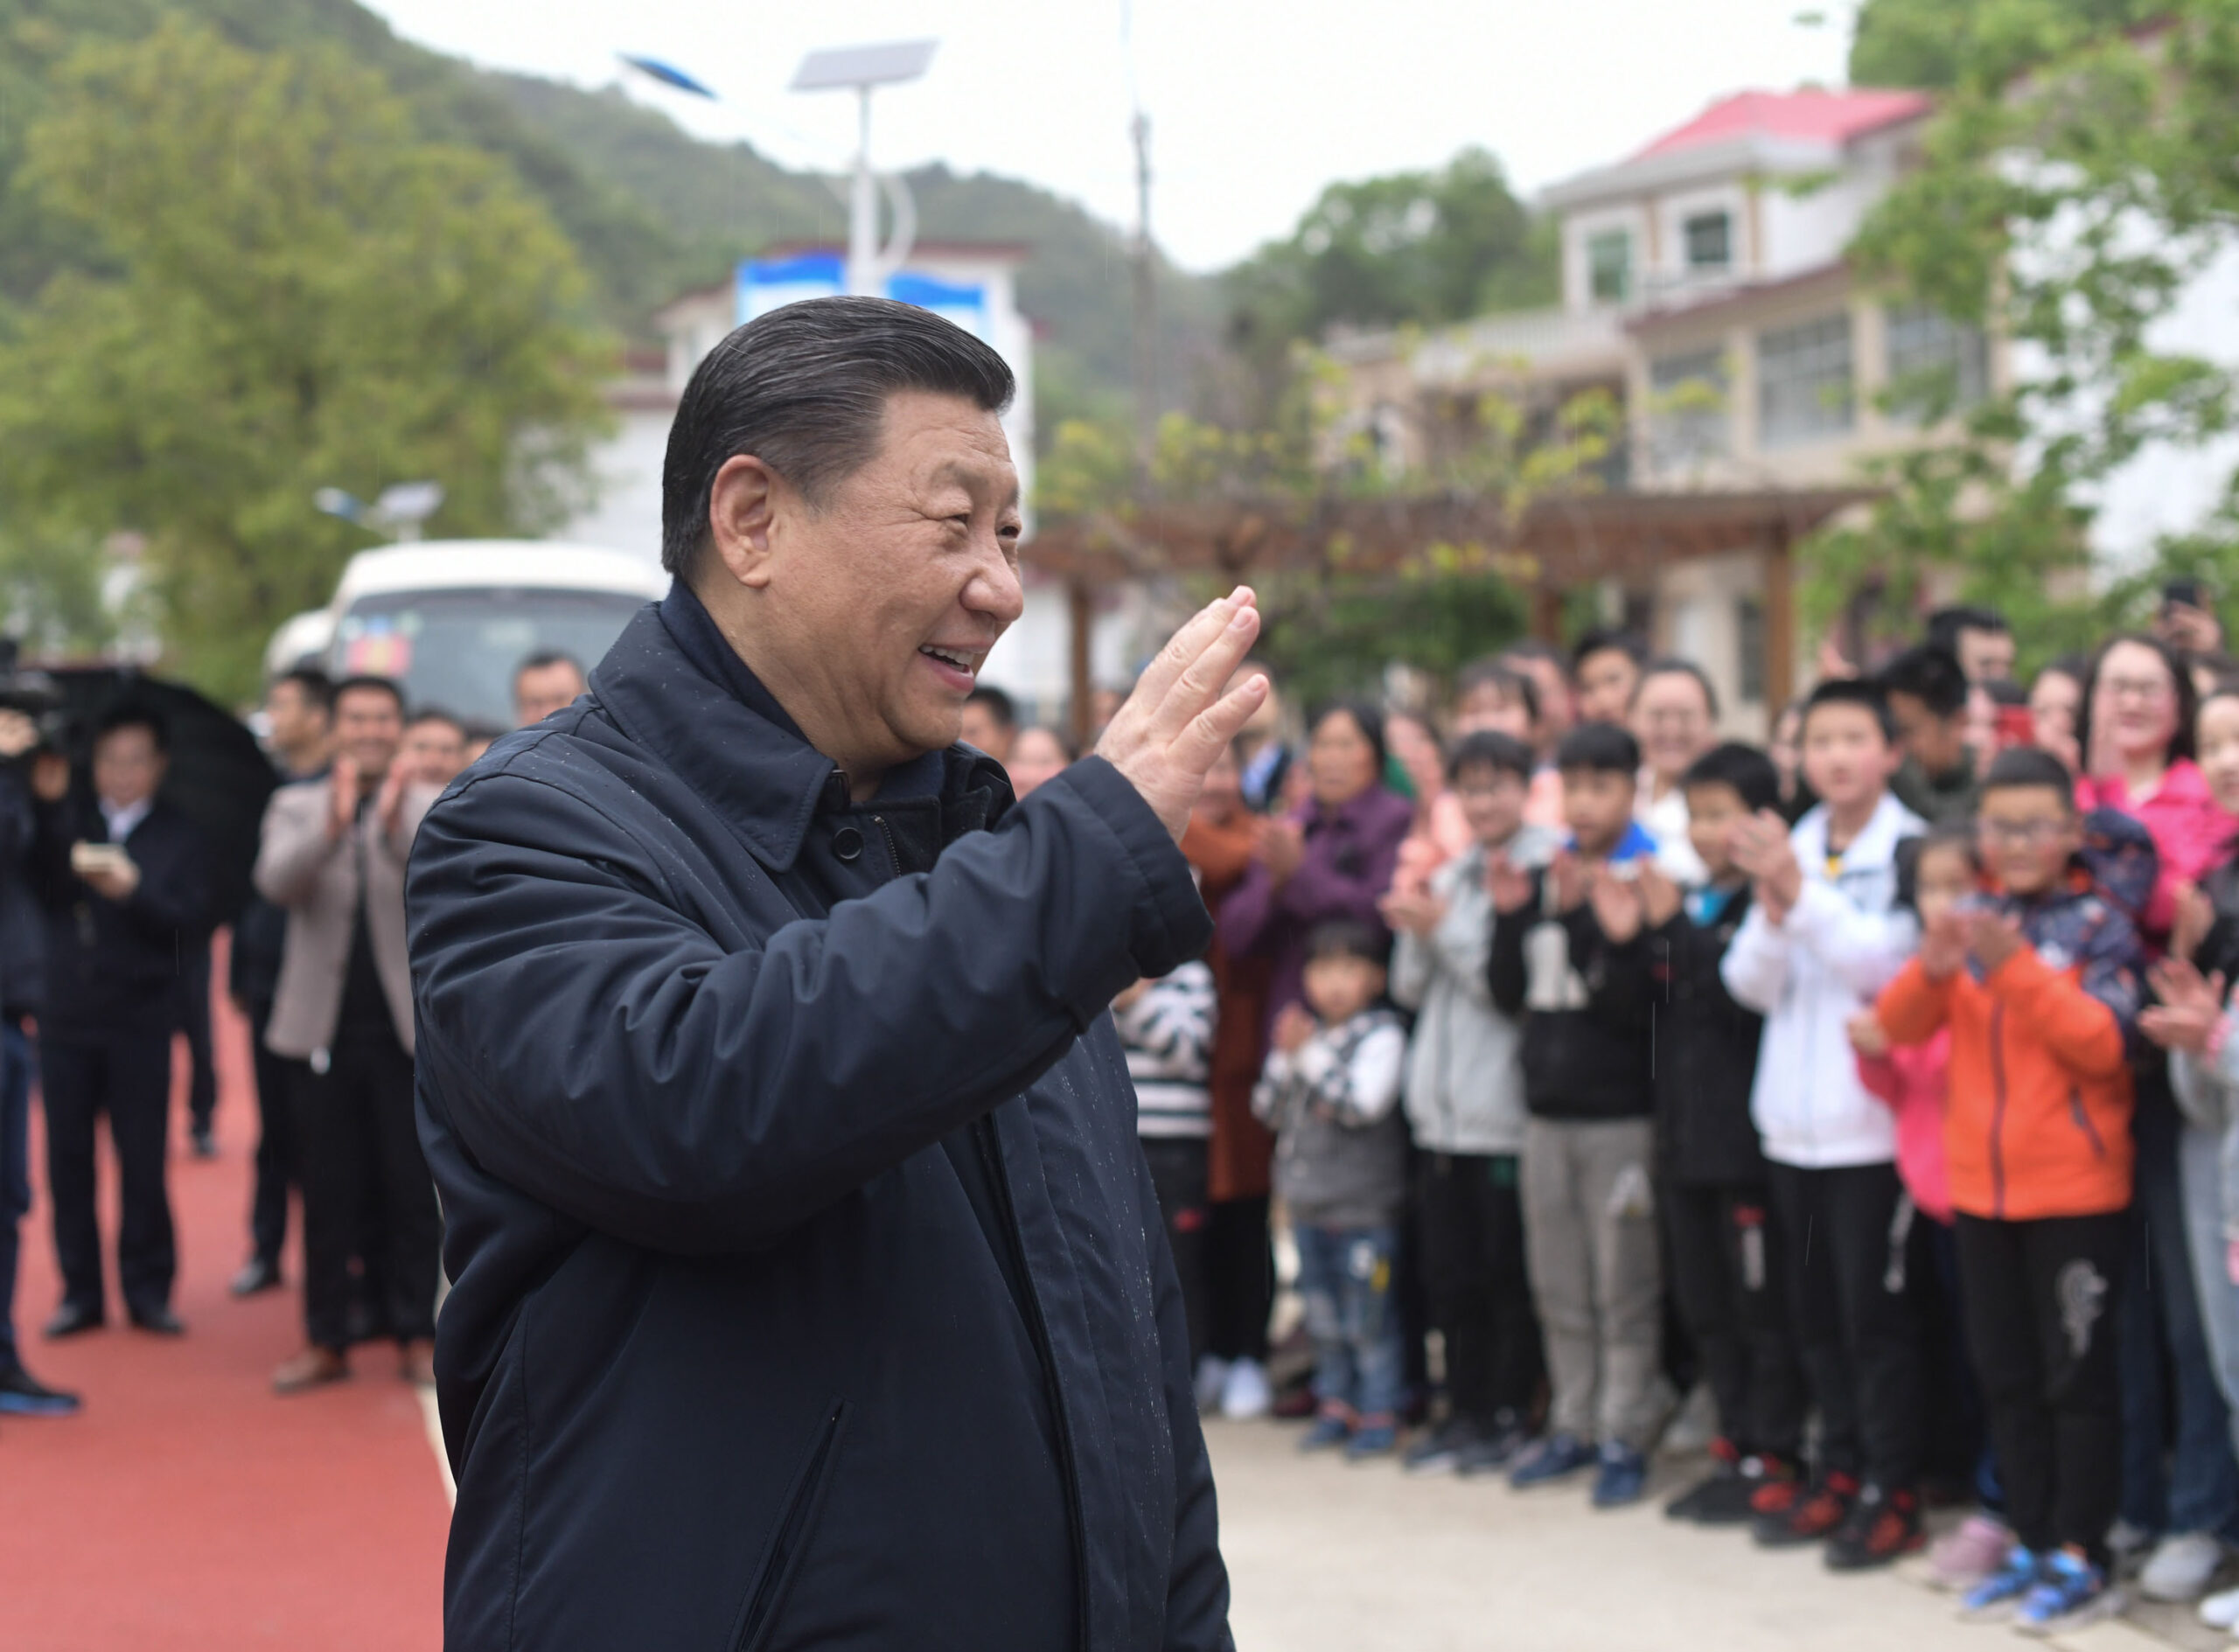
(2077, 181)
(1412, 247)
(293, 290)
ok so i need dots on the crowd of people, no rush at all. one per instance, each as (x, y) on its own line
(107, 913)
(1877, 1088)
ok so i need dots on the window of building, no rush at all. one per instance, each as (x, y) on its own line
(1749, 647)
(1803, 381)
(1609, 266)
(1687, 407)
(1710, 241)
(1935, 364)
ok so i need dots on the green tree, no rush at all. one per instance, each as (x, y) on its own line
(1939, 43)
(294, 291)
(2066, 208)
(1412, 247)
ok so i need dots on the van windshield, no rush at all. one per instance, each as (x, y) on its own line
(457, 649)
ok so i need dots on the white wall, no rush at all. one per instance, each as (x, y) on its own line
(626, 515)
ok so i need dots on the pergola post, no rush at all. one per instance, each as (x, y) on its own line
(1080, 614)
(1779, 621)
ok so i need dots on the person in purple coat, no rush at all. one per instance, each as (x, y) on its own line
(1333, 859)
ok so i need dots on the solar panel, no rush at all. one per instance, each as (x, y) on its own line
(853, 65)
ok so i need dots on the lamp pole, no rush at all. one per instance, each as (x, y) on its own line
(862, 69)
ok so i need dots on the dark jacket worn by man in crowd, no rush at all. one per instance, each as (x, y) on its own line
(114, 962)
(810, 1288)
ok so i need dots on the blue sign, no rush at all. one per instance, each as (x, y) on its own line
(764, 285)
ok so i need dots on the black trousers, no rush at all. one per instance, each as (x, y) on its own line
(194, 1022)
(361, 1149)
(276, 1144)
(2040, 1302)
(1850, 1248)
(1729, 1257)
(1239, 1278)
(128, 1075)
(1470, 1219)
(1178, 1171)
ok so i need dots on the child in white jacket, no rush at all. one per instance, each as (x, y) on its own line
(1824, 936)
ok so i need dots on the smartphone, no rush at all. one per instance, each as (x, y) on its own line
(2191, 593)
(95, 857)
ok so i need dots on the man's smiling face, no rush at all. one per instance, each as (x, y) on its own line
(890, 591)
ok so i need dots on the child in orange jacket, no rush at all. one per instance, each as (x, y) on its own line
(2039, 984)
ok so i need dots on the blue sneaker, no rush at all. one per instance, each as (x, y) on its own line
(23, 1395)
(1622, 1479)
(1328, 1433)
(2070, 1593)
(1557, 1457)
(1998, 1595)
(1372, 1439)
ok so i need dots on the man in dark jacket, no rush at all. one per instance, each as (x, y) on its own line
(22, 986)
(124, 880)
(810, 1289)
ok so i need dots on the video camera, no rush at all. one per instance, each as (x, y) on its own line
(36, 695)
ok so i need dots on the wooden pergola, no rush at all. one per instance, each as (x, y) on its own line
(1554, 545)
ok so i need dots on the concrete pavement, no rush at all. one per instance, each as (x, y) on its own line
(1328, 1556)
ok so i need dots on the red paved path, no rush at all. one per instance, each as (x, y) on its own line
(187, 1509)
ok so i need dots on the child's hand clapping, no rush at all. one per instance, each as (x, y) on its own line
(2189, 1008)
(1660, 897)
(1943, 946)
(1417, 911)
(1573, 881)
(1616, 903)
(1292, 1027)
(1992, 938)
(1508, 884)
(1867, 1036)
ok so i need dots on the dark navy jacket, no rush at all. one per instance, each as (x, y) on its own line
(114, 966)
(810, 1289)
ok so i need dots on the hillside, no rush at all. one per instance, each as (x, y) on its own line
(652, 210)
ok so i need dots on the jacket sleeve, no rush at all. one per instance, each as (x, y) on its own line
(18, 817)
(1862, 949)
(1320, 888)
(1363, 1090)
(174, 894)
(597, 1048)
(1246, 915)
(1755, 968)
(1912, 1007)
(2202, 1095)
(1412, 965)
(1619, 975)
(2079, 1028)
(1505, 976)
(1271, 1095)
(294, 845)
(1196, 1578)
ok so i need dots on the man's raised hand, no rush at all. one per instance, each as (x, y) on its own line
(1183, 713)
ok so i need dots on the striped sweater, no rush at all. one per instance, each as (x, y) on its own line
(1167, 1033)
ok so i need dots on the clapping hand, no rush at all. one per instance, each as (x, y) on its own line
(1292, 1027)
(1280, 846)
(1508, 883)
(2189, 1008)
(1943, 946)
(1617, 902)
(1992, 938)
(341, 798)
(1417, 911)
(1761, 848)
(1574, 880)
(1660, 897)
(388, 807)
(2195, 917)
(1867, 1036)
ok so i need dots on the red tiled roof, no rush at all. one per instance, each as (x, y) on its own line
(1811, 115)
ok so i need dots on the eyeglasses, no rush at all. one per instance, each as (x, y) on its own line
(2019, 834)
(2150, 689)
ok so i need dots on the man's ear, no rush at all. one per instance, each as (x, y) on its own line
(742, 506)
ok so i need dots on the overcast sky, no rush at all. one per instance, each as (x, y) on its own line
(1254, 104)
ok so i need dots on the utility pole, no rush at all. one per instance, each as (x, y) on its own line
(1146, 357)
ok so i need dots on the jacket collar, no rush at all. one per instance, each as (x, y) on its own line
(1875, 845)
(672, 685)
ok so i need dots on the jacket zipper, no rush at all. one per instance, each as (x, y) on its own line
(991, 1154)
(1998, 1110)
(2083, 1121)
(792, 1528)
(893, 849)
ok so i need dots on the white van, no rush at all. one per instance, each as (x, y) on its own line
(449, 619)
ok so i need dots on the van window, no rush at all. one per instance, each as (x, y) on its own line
(456, 649)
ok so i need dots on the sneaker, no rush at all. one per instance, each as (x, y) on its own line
(23, 1395)
(1212, 1377)
(1733, 1503)
(1440, 1451)
(1557, 1457)
(1882, 1526)
(1972, 1552)
(1808, 1516)
(1693, 1426)
(1329, 1432)
(1622, 1479)
(205, 1142)
(2070, 1594)
(1997, 1595)
(1245, 1392)
(1376, 1436)
(1489, 1453)
(2220, 1611)
(2127, 1542)
(2181, 1566)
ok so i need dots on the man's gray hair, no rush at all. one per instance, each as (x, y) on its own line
(804, 389)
